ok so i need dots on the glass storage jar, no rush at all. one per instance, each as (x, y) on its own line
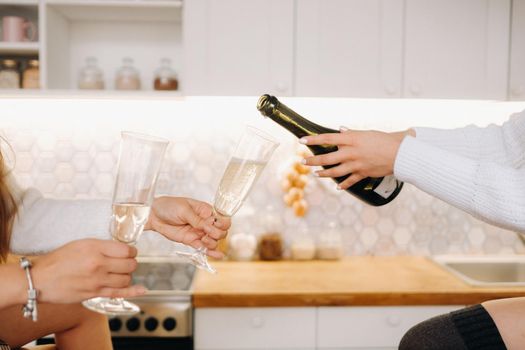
(165, 77)
(271, 246)
(303, 246)
(91, 76)
(31, 76)
(128, 77)
(9, 75)
(330, 243)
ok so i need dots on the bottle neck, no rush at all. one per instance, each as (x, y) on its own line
(270, 107)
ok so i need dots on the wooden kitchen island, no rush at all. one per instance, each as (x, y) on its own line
(354, 281)
(357, 303)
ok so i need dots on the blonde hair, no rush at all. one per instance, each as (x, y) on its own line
(8, 209)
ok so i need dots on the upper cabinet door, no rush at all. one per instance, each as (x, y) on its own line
(456, 48)
(238, 47)
(517, 52)
(349, 48)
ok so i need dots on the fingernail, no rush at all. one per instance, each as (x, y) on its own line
(141, 290)
(339, 187)
(343, 128)
(303, 161)
(316, 173)
(303, 141)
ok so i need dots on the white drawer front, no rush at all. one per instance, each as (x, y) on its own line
(255, 328)
(343, 327)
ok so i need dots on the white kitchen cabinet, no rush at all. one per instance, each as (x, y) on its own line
(353, 48)
(238, 47)
(370, 327)
(456, 48)
(255, 328)
(323, 328)
(517, 52)
(349, 48)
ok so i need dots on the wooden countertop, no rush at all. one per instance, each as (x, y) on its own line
(358, 281)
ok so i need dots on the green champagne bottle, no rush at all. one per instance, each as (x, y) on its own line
(375, 191)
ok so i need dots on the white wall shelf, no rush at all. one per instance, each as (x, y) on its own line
(145, 31)
(19, 2)
(118, 10)
(123, 3)
(29, 48)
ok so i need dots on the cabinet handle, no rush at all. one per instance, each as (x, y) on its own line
(390, 90)
(517, 91)
(415, 89)
(257, 322)
(281, 87)
(393, 321)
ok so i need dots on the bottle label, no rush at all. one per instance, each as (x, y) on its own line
(387, 186)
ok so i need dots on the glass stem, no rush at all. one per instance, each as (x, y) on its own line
(117, 302)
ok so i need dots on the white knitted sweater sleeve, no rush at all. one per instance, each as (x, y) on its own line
(479, 183)
(43, 224)
(503, 144)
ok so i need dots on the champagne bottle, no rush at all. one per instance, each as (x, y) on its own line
(374, 191)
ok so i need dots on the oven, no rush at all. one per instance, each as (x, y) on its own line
(166, 318)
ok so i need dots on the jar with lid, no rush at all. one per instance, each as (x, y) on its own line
(31, 76)
(128, 77)
(9, 75)
(242, 246)
(165, 77)
(330, 243)
(91, 76)
(271, 246)
(303, 246)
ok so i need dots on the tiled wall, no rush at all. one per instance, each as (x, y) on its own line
(68, 149)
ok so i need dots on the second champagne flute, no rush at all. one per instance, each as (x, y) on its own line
(244, 168)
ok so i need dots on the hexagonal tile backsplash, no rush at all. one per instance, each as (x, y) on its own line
(79, 162)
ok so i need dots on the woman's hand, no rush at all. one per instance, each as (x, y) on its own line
(360, 153)
(188, 221)
(84, 269)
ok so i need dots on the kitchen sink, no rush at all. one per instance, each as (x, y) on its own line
(486, 270)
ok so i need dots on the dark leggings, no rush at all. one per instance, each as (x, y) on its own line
(471, 328)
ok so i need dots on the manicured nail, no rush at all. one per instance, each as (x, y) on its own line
(141, 290)
(343, 128)
(303, 161)
(303, 141)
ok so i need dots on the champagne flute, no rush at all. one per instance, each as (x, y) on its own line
(244, 168)
(139, 163)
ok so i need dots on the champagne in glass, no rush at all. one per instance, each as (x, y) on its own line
(128, 220)
(246, 165)
(139, 163)
(236, 183)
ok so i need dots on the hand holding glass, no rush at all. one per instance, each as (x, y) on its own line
(246, 164)
(138, 168)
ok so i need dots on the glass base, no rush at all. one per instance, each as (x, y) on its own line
(111, 306)
(199, 259)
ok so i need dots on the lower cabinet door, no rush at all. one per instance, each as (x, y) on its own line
(255, 328)
(370, 328)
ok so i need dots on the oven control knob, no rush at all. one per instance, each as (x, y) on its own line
(169, 323)
(133, 324)
(115, 324)
(151, 324)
